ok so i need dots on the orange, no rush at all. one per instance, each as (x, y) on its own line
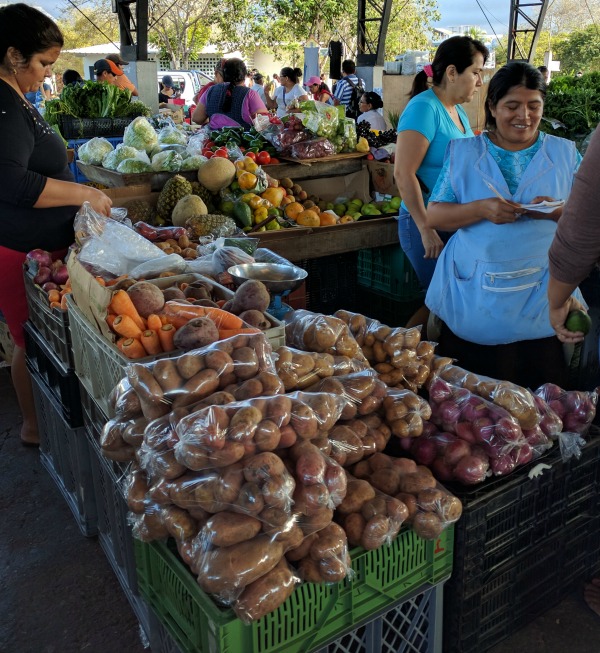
(308, 218)
(346, 218)
(247, 181)
(326, 219)
(293, 210)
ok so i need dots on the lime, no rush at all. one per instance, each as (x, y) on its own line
(578, 321)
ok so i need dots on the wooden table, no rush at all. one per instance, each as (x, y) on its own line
(328, 241)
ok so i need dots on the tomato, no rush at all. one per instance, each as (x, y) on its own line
(370, 157)
(208, 144)
(207, 153)
(274, 160)
(251, 154)
(263, 158)
(222, 152)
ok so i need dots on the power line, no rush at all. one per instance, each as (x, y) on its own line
(489, 23)
(93, 24)
(592, 17)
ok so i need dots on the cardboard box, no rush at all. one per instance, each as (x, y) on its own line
(341, 187)
(382, 178)
(123, 194)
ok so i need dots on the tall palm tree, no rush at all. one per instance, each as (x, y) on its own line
(476, 33)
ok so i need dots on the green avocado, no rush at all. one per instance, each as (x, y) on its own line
(242, 214)
(579, 321)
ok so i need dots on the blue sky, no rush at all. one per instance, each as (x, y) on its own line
(467, 12)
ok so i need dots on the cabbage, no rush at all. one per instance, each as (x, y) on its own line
(120, 153)
(161, 147)
(193, 162)
(168, 161)
(94, 151)
(172, 136)
(134, 166)
(140, 134)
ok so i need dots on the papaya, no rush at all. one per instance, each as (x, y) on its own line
(242, 214)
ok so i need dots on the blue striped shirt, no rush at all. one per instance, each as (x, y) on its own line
(343, 89)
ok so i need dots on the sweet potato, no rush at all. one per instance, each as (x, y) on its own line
(229, 528)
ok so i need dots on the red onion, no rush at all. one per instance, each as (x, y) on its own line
(40, 256)
(428, 429)
(441, 471)
(439, 391)
(550, 391)
(483, 429)
(502, 464)
(558, 407)
(43, 275)
(49, 285)
(523, 454)
(470, 470)
(464, 431)
(508, 430)
(450, 411)
(424, 451)
(60, 275)
(455, 451)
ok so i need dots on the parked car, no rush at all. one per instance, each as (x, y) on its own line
(185, 82)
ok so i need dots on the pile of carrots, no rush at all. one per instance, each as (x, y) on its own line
(140, 337)
(58, 298)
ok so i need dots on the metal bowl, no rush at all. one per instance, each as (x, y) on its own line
(277, 278)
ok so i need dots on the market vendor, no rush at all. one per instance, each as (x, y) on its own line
(489, 286)
(38, 196)
(122, 81)
(232, 103)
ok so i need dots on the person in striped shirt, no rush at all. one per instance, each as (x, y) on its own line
(343, 89)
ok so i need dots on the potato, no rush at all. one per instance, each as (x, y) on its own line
(137, 487)
(265, 594)
(256, 319)
(228, 483)
(165, 372)
(387, 480)
(248, 390)
(309, 498)
(449, 508)
(228, 455)
(427, 525)
(219, 361)
(189, 364)
(201, 385)
(267, 435)
(302, 550)
(262, 467)
(362, 470)
(310, 571)
(227, 569)
(310, 467)
(316, 520)
(380, 461)
(250, 499)
(179, 523)
(415, 483)
(127, 404)
(429, 499)
(278, 491)
(245, 363)
(354, 525)
(330, 543)
(357, 494)
(146, 297)
(334, 570)
(376, 532)
(345, 440)
(304, 421)
(228, 528)
(376, 506)
(336, 482)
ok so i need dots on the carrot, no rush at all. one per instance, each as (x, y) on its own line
(101, 281)
(110, 318)
(229, 333)
(63, 301)
(121, 304)
(115, 281)
(151, 342)
(53, 296)
(166, 334)
(54, 304)
(120, 342)
(183, 285)
(125, 326)
(221, 302)
(223, 319)
(132, 348)
(154, 322)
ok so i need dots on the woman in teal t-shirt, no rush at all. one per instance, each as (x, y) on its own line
(431, 119)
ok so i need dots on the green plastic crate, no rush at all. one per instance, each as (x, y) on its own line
(313, 616)
(388, 270)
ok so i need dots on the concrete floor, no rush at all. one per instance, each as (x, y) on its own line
(59, 595)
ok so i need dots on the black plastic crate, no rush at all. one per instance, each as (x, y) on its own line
(331, 283)
(549, 524)
(114, 530)
(62, 383)
(65, 454)
(393, 312)
(522, 589)
(71, 127)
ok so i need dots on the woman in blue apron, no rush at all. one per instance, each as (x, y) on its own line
(489, 287)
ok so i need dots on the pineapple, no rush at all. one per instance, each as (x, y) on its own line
(141, 211)
(175, 188)
(204, 194)
(212, 224)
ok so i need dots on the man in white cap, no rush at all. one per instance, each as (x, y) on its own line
(122, 80)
